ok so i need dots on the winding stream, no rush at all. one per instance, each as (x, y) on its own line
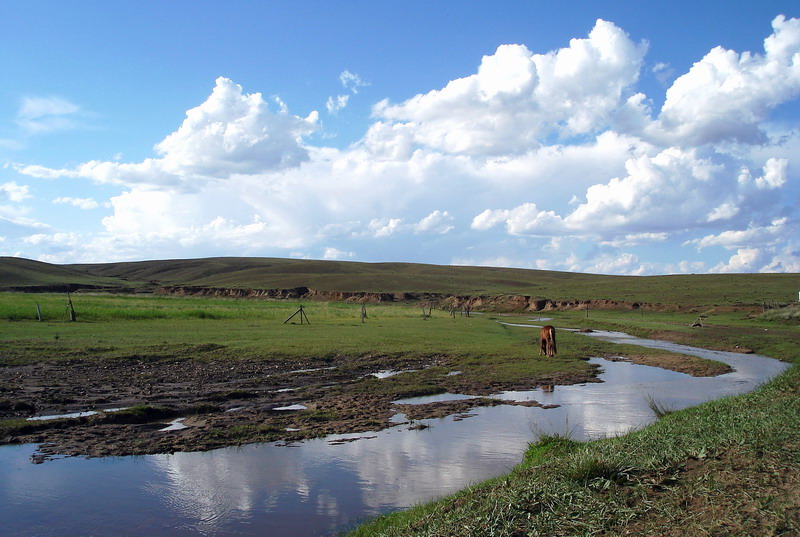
(321, 486)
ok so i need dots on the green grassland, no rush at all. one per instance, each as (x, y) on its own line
(113, 327)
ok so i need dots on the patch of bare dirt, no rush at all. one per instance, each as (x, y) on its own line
(696, 367)
(459, 407)
(705, 497)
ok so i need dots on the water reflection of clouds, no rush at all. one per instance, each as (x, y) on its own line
(205, 488)
(210, 488)
(584, 411)
(395, 469)
(401, 469)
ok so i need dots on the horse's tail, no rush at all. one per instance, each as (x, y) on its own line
(553, 335)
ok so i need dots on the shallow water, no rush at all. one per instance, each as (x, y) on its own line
(72, 415)
(321, 486)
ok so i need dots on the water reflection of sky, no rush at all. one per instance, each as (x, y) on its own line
(316, 488)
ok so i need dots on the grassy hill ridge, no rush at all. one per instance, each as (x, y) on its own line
(276, 273)
(16, 272)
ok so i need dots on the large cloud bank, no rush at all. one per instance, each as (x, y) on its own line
(548, 160)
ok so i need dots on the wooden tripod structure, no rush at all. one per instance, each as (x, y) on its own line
(302, 314)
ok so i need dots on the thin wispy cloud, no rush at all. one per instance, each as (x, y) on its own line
(46, 114)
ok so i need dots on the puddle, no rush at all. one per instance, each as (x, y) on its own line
(398, 418)
(291, 407)
(385, 374)
(390, 373)
(73, 415)
(319, 489)
(312, 370)
(175, 425)
(438, 398)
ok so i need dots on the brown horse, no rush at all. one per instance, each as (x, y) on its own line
(547, 341)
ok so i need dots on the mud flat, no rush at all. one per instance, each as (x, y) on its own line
(221, 403)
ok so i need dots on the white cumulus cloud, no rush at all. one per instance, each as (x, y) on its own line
(439, 222)
(352, 81)
(752, 236)
(726, 95)
(661, 193)
(11, 191)
(230, 133)
(336, 254)
(383, 227)
(517, 98)
(335, 104)
(775, 174)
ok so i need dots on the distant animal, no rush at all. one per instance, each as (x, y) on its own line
(547, 341)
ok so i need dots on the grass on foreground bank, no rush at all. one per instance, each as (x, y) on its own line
(728, 467)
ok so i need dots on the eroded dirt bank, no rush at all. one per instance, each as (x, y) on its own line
(495, 303)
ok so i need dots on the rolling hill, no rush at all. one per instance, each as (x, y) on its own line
(415, 279)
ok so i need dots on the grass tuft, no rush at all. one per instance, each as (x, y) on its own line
(659, 409)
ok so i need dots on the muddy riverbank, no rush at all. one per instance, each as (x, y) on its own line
(221, 402)
(227, 402)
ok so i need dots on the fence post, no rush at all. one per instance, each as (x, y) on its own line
(71, 308)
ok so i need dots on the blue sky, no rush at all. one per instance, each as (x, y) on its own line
(607, 137)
